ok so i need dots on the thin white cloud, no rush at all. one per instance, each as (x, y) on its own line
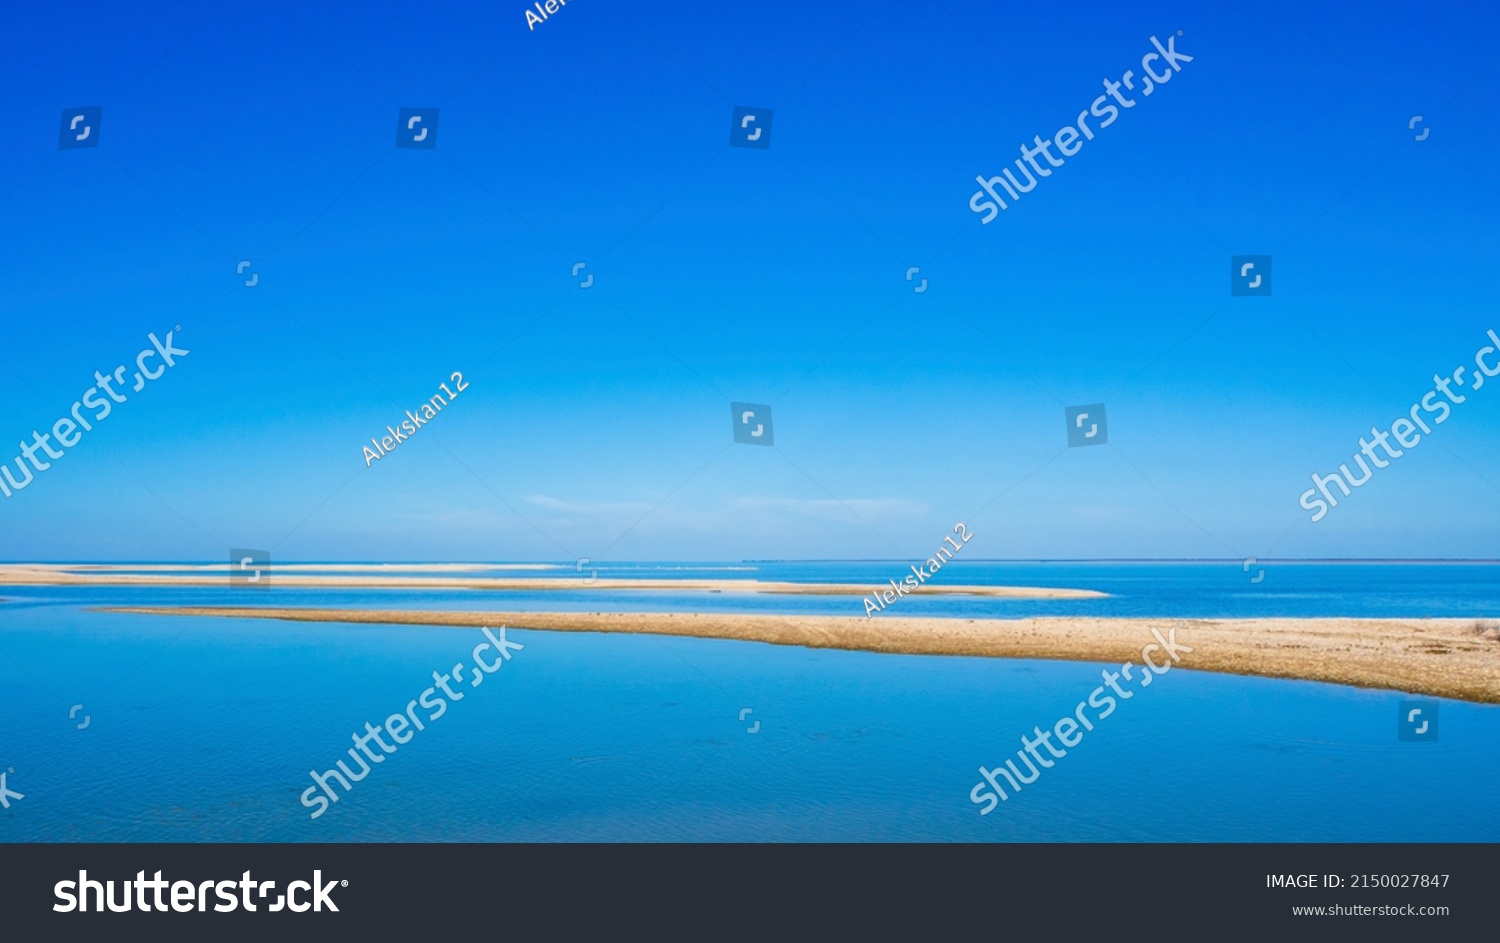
(872, 510)
(590, 508)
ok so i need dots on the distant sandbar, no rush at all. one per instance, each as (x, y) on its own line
(102, 575)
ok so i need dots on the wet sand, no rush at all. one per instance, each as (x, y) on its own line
(1437, 657)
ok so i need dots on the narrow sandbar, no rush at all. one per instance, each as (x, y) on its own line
(1436, 657)
(50, 575)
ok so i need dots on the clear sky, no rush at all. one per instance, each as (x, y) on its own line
(596, 421)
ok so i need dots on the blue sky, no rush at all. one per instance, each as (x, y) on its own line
(596, 422)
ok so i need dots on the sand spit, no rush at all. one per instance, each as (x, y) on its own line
(38, 575)
(1437, 657)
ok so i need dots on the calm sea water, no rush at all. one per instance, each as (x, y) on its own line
(206, 729)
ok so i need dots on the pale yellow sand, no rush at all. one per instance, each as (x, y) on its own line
(49, 575)
(305, 567)
(1438, 657)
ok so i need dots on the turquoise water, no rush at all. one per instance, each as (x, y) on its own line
(205, 729)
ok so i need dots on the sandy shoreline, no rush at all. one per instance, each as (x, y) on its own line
(99, 575)
(1436, 657)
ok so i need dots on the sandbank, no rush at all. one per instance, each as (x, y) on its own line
(52, 575)
(1437, 657)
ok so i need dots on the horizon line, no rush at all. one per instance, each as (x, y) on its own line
(594, 563)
